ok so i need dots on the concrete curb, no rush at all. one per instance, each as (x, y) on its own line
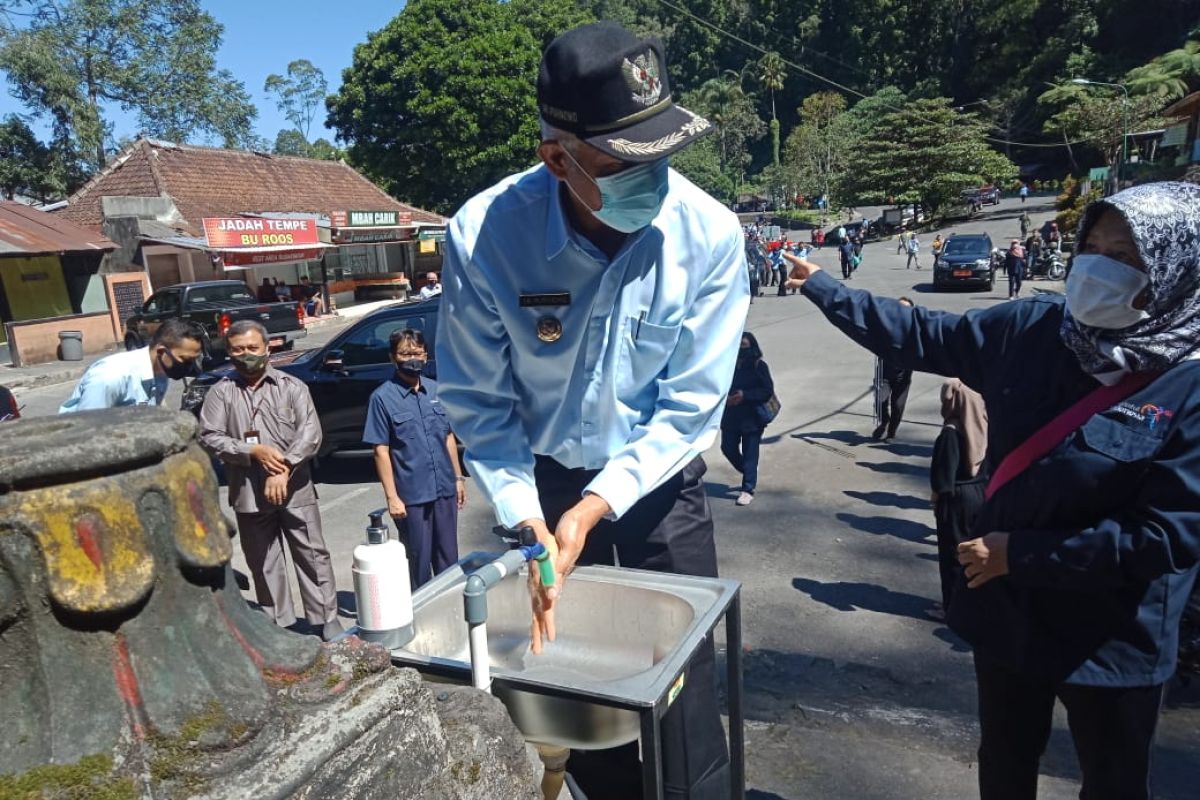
(49, 378)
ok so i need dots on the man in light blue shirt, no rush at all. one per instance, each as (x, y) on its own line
(592, 310)
(139, 377)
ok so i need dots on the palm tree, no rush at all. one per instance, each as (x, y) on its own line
(720, 98)
(772, 74)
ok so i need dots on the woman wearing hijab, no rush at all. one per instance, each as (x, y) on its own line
(1089, 540)
(956, 476)
(741, 426)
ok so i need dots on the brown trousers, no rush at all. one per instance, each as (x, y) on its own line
(263, 534)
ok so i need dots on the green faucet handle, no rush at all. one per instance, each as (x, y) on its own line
(545, 568)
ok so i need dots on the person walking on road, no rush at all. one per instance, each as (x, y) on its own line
(263, 427)
(957, 476)
(741, 426)
(892, 382)
(416, 459)
(591, 313)
(936, 248)
(1014, 265)
(846, 254)
(140, 377)
(1024, 192)
(913, 248)
(1026, 222)
(1087, 545)
(901, 242)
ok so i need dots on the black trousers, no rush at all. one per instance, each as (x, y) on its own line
(668, 530)
(1113, 730)
(893, 397)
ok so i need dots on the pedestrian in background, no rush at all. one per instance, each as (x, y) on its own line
(845, 253)
(1088, 544)
(1024, 193)
(901, 242)
(741, 425)
(1014, 264)
(957, 476)
(913, 248)
(1026, 222)
(416, 458)
(140, 377)
(261, 424)
(892, 382)
(936, 247)
(1033, 250)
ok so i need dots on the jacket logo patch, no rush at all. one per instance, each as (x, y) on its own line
(1148, 414)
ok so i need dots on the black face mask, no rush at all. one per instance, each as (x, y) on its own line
(179, 369)
(411, 366)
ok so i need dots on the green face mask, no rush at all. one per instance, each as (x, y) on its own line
(249, 363)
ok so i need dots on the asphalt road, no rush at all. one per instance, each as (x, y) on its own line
(852, 690)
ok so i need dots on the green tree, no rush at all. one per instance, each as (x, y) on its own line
(442, 102)
(818, 148)
(1099, 116)
(924, 152)
(325, 150)
(731, 110)
(291, 142)
(701, 164)
(771, 74)
(299, 94)
(26, 165)
(67, 59)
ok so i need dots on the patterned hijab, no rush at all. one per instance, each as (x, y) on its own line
(1164, 219)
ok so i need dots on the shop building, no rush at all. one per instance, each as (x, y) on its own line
(154, 197)
(50, 283)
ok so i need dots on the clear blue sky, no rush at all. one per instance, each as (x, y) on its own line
(262, 36)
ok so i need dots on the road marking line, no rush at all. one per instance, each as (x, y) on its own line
(337, 501)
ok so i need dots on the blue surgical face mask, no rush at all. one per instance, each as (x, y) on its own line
(1101, 292)
(632, 198)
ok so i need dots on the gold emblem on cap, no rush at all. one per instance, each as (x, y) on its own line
(549, 329)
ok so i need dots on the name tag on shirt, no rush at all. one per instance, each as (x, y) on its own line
(546, 299)
(251, 437)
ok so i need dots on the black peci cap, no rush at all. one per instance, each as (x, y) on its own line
(609, 88)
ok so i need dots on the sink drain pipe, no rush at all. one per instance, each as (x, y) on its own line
(475, 603)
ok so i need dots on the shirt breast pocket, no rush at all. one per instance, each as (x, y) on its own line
(645, 350)
(404, 427)
(1118, 441)
(283, 422)
(439, 416)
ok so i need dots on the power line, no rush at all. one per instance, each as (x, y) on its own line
(839, 86)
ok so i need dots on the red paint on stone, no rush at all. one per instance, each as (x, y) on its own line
(196, 500)
(86, 528)
(127, 685)
(255, 656)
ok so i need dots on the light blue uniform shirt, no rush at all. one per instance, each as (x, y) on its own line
(635, 386)
(122, 379)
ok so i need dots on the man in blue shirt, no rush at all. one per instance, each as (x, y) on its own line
(591, 313)
(139, 377)
(416, 459)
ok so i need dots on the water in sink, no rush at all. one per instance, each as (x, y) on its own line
(606, 631)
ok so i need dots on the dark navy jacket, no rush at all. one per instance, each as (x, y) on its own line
(1105, 529)
(414, 427)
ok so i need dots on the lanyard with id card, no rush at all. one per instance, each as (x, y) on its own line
(252, 436)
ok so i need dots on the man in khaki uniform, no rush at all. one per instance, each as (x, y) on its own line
(262, 425)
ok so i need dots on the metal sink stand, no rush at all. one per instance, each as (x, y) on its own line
(651, 715)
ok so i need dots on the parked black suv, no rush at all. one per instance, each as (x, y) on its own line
(342, 374)
(966, 259)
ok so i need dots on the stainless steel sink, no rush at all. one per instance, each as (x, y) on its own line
(624, 636)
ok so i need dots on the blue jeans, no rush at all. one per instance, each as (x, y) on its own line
(742, 451)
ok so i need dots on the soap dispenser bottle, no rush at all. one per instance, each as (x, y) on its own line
(381, 587)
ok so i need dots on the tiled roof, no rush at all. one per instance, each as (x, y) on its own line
(27, 231)
(208, 182)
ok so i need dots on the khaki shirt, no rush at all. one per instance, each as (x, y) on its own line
(280, 409)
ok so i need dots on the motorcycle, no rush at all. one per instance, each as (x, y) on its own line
(1049, 264)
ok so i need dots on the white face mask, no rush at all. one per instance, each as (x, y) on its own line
(1101, 292)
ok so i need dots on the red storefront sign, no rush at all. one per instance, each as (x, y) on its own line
(225, 233)
(234, 258)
